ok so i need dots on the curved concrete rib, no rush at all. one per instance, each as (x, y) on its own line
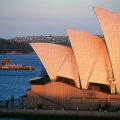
(110, 25)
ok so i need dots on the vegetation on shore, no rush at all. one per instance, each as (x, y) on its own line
(12, 47)
(20, 45)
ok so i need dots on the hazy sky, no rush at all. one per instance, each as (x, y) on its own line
(20, 18)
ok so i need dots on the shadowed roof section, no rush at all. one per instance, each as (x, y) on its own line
(42, 73)
(86, 49)
(51, 56)
(69, 69)
(110, 25)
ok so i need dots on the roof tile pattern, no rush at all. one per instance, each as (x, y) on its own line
(99, 72)
(110, 24)
(51, 56)
(87, 48)
(69, 69)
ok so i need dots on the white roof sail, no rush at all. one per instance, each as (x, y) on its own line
(110, 25)
(86, 49)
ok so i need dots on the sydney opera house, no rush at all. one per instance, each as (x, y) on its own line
(85, 76)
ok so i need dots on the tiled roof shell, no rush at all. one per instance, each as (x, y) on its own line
(58, 60)
(110, 25)
(69, 69)
(89, 55)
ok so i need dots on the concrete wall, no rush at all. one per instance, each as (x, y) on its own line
(58, 95)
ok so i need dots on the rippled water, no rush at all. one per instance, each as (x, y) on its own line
(14, 82)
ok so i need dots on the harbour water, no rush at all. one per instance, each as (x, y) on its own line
(14, 82)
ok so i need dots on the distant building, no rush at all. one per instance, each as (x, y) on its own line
(5, 61)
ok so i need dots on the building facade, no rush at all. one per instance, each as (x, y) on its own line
(5, 61)
(84, 77)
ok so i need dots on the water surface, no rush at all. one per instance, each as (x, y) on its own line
(14, 82)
